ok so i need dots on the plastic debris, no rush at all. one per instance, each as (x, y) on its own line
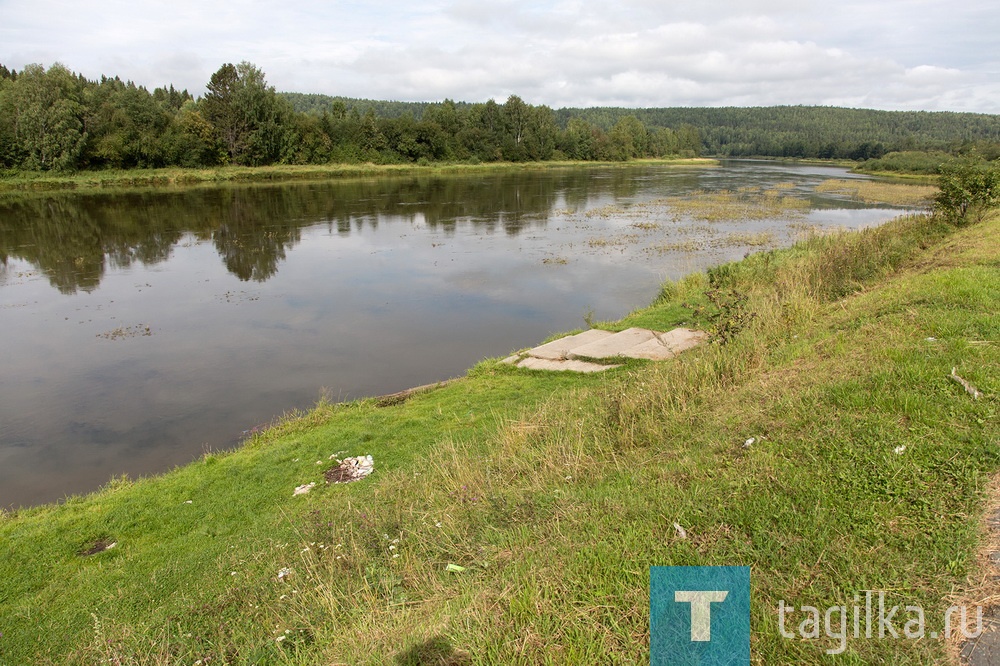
(681, 532)
(284, 573)
(350, 469)
(746, 444)
(454, 568)
(969, 388)
(899, 449)
(303, 489)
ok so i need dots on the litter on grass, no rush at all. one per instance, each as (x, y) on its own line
(969, 388)
(303, 489)
(350, 469)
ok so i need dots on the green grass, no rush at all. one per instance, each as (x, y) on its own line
(174, 177)
(555, 493)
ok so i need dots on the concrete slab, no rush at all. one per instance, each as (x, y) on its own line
(558, 349)
(613, 345)
(532, 363)
(652, 350)
(667, 345)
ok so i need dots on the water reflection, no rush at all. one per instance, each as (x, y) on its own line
(75, 238)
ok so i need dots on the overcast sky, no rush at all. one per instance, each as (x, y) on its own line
(887, 54)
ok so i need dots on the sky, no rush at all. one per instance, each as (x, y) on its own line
(933, 55)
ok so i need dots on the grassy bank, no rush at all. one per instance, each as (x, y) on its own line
(513, 515)
(172, 177)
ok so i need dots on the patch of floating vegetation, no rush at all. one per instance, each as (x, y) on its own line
(612, 241)
(746, 203)
(873, 191)
(737, 239)
(646, 226)
(611, 210)
(123, 332)
(687, 245)
(753, 239)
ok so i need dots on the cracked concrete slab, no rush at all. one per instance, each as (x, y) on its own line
(613, 345)
(667, 345)
(567, 353)
(559, 349)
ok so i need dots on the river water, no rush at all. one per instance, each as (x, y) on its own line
(142, 329)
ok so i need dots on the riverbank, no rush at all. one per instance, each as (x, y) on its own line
(174, 177)
(512, 516)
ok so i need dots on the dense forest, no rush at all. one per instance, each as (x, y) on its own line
(777, 131)
(54, 119)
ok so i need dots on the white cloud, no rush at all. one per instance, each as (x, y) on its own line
(893, 54)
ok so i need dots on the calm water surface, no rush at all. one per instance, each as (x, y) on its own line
(140, 330)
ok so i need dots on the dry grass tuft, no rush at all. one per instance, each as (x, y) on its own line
(873, 191)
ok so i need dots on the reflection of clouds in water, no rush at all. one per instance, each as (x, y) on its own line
(853, 218)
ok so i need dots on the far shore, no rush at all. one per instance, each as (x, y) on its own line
(180, 177)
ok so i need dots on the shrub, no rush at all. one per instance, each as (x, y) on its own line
(969, 189)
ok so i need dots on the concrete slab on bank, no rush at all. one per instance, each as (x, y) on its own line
(570, 352)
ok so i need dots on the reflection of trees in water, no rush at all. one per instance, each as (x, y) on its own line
(73, 238)
(252, 230)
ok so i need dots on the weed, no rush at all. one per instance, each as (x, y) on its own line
(729, 315)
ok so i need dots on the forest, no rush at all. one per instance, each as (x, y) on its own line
(57, 120)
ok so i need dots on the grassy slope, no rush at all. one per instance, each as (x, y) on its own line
(557, 492)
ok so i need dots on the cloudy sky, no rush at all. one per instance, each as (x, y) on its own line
(886, 54)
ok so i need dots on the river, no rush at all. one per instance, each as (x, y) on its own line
(142, 329)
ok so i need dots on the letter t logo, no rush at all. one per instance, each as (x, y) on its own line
(701, 610)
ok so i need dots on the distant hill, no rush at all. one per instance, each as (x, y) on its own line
(779, 131)
(810, 131)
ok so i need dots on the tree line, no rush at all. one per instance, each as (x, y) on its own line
(776, 131)
(54, 119)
